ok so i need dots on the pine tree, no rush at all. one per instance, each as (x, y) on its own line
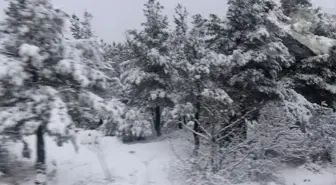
(86, 25)
(180, 20)
(151, 72)
(82, 29)
(49, 76)
(75, 27)
(178, 39)
(258, 54)
(199, 69)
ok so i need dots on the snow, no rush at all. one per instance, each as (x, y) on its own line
(27, 52)
(59, 120)
(217, 94)
(133, 164)
(13, 69)
(139, 164)
(158, 93)
(303, 176)
(318, 44)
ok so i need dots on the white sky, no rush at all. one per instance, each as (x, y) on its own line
(113, 17)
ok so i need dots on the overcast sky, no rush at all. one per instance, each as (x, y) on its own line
(113, 17)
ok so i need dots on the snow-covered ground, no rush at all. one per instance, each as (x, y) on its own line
(129, 164)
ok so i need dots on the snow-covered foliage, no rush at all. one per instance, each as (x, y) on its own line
(321, 138)
(179, 110)
(49, 76)
(150, 69)
(263, 55)
(317, 73)
(136, 126)
(277, 138)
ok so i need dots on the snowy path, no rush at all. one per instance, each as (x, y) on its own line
(129, 164)
(136, 164)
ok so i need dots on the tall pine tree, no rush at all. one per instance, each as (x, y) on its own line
(150, 74)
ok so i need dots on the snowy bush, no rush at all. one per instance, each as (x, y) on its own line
(321, 139)
(116, 117)
(136, 126)
(278, 135)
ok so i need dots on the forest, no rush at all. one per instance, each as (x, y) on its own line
(249, 94)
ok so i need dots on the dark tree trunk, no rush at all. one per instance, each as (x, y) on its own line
(40, 152)
(196, 127)
(158, 121)
(180, 124)
(153, 115)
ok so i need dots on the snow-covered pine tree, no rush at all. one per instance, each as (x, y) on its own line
(41, 73)
(181, 21)
(150, 71)
(258, 56)
(178, 40)
(75, 27)
(82, 29)
(199, 70)
(86, 25)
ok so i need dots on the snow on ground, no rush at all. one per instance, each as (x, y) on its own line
(129, 164)
(302, 176)
(148, 163)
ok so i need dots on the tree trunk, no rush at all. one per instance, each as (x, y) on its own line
(213, 148)
(40, 156)
(196, 127)
(158, 121)
(180, 125)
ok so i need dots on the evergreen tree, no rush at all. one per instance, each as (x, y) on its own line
(86, 25)
(82, 29)
(151, 72)
(199, 70)
(258, 54)
(46, 73)
(180, 20)
(75, 27)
